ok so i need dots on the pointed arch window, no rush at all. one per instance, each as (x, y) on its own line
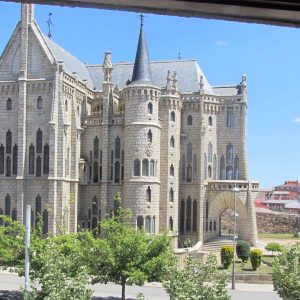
(8, 166)
(172, 142)
(96, 170)
(172, 170)
(39, 141)
(15, 159)
(189, 150)
(173, 116)
(145, 167)
(137, 168)
(188, 214)
(210, 122)
(66, 105)
(31, 159)
(140, 222)
(171, 224)
(8, 142)
(209, 171)
(229, 154)
(96, 147)
(148, 194)
(117, 172)
(149, 136)
(94, 223)
(95, 206)
(209, 152)
(183, 167)
(171, 195)
(7, 205)
(38, 205)
(189, 173)
(195, 167)
(150, 108)
(236, 168)
(182, 215)
(230, 116)
(45, 221)
(148, 224)
(14, 215)
(39, 103)
(38, 166)
(229, 173)
(1, 159)
(222, 168)
(195, 215)
(215, 167)
(190, 120)
(9, 104)
(152, 166)
(46, 159)
(117, 148)
(205, 167)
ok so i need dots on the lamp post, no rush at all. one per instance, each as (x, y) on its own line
(235, 190)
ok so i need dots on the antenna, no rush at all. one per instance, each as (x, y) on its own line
(49, 22)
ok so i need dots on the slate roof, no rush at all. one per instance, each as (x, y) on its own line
(188, 74)
(226, 90)
(71, 63)
(141, 70)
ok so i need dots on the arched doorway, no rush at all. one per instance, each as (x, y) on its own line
(226, 223)
(220, 208)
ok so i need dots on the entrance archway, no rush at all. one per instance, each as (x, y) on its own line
(226, 223)
(224, 202)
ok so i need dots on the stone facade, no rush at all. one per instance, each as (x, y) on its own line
(72, 136)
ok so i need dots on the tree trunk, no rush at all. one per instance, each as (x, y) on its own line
(123, 290)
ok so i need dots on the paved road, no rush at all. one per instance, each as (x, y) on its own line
(151, 291)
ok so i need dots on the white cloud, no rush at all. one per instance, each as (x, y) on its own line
(221, 43)
(297, 120)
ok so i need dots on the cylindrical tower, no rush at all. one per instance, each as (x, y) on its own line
(141, 191)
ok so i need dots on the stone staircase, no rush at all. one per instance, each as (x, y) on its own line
(215, 245)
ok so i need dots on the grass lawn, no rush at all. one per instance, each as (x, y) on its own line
(247, 269)
(278, 236)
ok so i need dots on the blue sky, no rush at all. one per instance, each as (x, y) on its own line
(269, 56)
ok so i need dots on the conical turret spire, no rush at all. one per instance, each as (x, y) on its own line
(141, 70)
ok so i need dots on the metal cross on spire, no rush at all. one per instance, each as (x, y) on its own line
(142, 16)
(49, 22)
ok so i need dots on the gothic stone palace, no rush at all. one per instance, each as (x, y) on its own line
(73, 135)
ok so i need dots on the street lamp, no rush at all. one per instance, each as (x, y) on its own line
(235, 190)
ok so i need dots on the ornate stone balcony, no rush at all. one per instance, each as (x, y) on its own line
(228, 185)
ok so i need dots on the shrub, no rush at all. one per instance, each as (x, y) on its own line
(274, 247)
(243, 250)
(255, 258)
(226, 256)
(286, 273)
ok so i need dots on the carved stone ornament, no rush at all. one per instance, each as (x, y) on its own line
(149, 149)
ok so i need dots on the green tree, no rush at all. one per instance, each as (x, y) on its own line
(12, 244)
(286, 273)
(131, 256)
(197, 281)
(243, 249)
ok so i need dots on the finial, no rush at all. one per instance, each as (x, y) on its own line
(175, 81)
(179, 56)
(142, 19)
(244, 80)
(201, 83)
(169, 77)
(49, 22)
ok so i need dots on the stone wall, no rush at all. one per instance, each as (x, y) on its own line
(276, 223)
